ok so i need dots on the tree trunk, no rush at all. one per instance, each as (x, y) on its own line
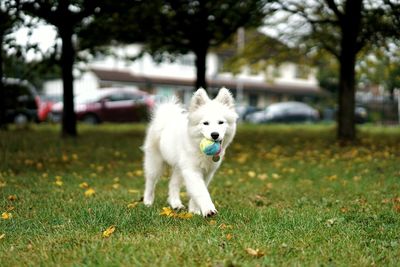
(3, 123)
(201, 54)
(350, 27)
(67, 63)
(346, 120)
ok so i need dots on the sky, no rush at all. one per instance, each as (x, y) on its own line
(43, 35)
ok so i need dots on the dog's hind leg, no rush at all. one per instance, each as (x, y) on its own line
(153, 168)
(175, 183)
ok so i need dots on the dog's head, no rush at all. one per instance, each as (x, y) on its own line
(213, 119)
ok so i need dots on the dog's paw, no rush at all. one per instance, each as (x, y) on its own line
(195, 211)
(210, 213)
(178, 207)
(148, 202)
(176, 204)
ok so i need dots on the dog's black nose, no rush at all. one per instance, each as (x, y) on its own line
(214, 135)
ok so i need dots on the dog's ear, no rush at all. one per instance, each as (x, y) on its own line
(199, 98)
(225, 97)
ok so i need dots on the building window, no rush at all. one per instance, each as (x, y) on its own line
(187, 60)
(253, 100)
(276, 72)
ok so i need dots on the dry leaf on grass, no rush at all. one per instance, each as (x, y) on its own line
(12, 197)
(133, 191)
(2, 236)
(184, 215)
(109, 231)
(132, 205)
(168, 212)
(90, 192)
(6, 215)
(254, 252)
(84, 185)
(212, 222)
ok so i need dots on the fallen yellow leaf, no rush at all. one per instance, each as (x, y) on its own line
(12, 197)
(262, 176)
(132, 205)
(138, 172)
(184, 215)
(254, 252)
(2, 236)
(212, 222)
(84, 185)
(115, 186)
(167, 211)
(251, 174)
(229, 236)
(6, 215)
(90, 192)
(58, 183)
(224, 226)
(109, 231)
(133, 191)
(276, 176)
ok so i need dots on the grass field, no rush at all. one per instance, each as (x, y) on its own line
(286, 196)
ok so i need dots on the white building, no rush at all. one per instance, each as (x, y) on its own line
(178, 77)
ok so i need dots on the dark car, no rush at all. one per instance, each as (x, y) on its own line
(286, 112)
(21, 101)
(108, 105)
(360, 114)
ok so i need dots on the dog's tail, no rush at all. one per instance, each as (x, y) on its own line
(163, 114)
(167, 108)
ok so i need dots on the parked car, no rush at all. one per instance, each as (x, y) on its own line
(360, 114)
(21, 101)
(108, 105)
(46, 104)
(244, 111)
(286, 112)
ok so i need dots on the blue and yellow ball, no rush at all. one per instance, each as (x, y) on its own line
(210, 148)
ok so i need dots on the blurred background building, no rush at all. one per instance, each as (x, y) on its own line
(164, 79)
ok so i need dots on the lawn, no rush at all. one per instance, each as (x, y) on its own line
(285, 195)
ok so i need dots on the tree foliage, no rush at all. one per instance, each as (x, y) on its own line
(343, 28)
(258, 52)
(170, 28)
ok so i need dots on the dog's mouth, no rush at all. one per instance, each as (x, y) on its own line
(216, 140)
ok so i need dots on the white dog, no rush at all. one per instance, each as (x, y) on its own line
(173, 137)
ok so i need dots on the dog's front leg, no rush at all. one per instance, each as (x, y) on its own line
(197, 190)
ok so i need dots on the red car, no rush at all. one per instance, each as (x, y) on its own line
(45, 106)
(108, 105)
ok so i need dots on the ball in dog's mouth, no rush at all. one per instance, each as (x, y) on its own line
(211, 148)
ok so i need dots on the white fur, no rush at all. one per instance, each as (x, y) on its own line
(173, 137)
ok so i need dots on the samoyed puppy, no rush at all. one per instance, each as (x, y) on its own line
(173, 138)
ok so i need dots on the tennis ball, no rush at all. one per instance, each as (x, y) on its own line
(210, 148)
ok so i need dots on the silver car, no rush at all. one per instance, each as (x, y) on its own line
(286, 112)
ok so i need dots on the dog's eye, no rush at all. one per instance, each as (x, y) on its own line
(220, 122)
(206, 123)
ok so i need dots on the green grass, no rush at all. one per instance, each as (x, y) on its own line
(291, 192)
